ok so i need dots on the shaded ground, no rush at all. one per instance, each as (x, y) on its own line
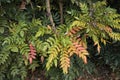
(103, 74)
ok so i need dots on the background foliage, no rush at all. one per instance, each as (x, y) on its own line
(60, 40)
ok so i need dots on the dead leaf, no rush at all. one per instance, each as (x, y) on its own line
(42, 59)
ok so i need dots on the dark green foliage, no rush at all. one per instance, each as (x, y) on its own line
(112, 56)
(88, 38)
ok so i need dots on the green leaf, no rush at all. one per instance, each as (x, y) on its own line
(22, 33)
(87, 31)
(38, 34)
(55, 62)
(73, 1)
(69, 12)
(26, 62)
(28, 1)
(14, 49)
(1, 30)
(34, 65)
(95, 38)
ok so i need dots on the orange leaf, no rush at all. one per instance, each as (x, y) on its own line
(72, 31)
(108, 29)
(76, 29)
(84, 59)
(98, 48)
(49, 27)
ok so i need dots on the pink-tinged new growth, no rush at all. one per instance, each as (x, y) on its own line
(32, 53)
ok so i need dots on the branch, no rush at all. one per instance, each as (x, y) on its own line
(23, 5)
(61, 11)
(50, 15)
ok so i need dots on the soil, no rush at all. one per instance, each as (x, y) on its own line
(103, 73)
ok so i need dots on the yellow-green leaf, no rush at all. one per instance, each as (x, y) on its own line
(22, 33)
(14, 49)
(1, 30)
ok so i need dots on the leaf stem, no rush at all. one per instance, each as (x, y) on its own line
(50, 15)
(61, 11)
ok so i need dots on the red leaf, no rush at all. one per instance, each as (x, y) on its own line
(30, 60)
(81, 48)
(32, 53)
(32, 56)
(73, 32)
(33, 50)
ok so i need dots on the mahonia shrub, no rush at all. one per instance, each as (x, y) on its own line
(34, 37)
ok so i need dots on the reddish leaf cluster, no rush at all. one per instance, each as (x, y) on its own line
(74, 30)
(32, 53)
(80, 50)
(108, 29)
